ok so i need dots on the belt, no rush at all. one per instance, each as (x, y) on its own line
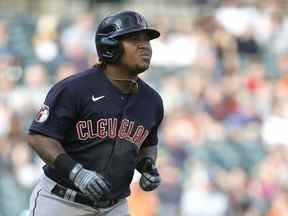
(77, 197)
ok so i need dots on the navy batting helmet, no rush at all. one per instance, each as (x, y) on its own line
(112, 27)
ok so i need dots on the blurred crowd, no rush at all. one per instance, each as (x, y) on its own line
(223, 76)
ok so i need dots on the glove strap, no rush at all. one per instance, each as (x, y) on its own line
(74, 172)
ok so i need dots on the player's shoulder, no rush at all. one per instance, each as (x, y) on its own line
(76, 81)
(153, 98)
(150, 92)
(79, 78)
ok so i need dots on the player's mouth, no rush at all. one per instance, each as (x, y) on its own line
(145, 55)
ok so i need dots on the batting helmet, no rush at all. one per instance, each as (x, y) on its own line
(109, 49)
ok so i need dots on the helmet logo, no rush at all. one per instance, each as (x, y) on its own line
(141, 21)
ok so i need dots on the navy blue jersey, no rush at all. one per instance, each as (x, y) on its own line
(99, 127)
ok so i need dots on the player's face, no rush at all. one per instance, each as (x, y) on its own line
(137, 52)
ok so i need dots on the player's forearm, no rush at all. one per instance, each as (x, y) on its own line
(150, 178)
(53, 154)
(47, 148)
(149, 151)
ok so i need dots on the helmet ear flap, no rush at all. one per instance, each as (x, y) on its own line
(111, 50)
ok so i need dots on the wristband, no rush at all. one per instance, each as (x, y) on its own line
(64, 164)
(147, 164)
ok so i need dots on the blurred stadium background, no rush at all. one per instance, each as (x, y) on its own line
(221, 67)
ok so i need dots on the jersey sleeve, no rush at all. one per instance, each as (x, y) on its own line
(57, 115)
(152, 138)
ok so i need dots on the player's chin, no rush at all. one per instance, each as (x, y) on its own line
(145, 64)
(142, 67)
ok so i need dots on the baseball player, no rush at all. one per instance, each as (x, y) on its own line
(97, 126)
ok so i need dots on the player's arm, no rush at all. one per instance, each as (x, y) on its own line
(47, 135)
(48, 149)
(148, 151)
(150, 178)
(53, 154)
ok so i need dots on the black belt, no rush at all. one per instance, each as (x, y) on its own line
(71, 195)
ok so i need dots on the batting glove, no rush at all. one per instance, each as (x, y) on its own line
(150, 178)
(89, 182)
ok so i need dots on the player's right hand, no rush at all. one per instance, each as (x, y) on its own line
(89, 182)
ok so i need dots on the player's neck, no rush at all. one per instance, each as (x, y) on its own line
(126, 83)
(116, 72)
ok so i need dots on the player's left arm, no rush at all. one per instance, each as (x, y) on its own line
(148, 152)
(150, 178)
(146, 163)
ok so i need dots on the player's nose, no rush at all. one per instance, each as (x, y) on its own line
(144, 44)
